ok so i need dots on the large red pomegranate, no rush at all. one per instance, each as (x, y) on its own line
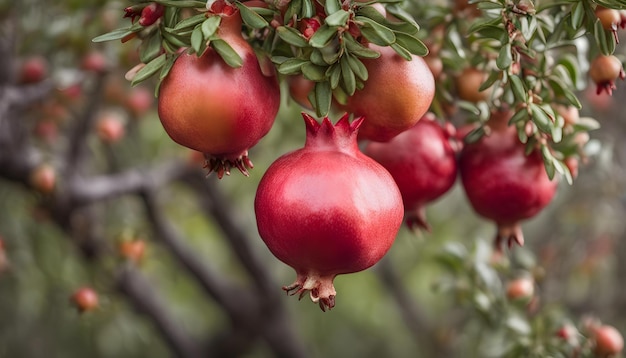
(423, 163)
(327, 209)
(221, 111)
(396, 94)
(502, 183)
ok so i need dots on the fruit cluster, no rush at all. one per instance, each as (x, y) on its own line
(330, 208)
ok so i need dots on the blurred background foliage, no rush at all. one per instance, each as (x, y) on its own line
(575, 250)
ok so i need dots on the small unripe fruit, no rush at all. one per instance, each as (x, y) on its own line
(139, 101)
(522, 288)
(133, 251)
(610, 20)
(85, 299)
(33, 70)
(150, 14)
(609, 342)
(95, 62)
(604, 71)
(43, 178)
(468, 84)
(110, 128)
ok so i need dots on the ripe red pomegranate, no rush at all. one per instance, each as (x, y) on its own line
(85, 299)
(396, 95)
(604, 70)
(609, 342)
(422, 162)
(206, 105)
(501, 182)
(327, 209)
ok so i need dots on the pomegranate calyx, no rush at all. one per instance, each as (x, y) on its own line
(340, 136)
(320, 288)
(416, 219)
(511, 233)
(222, 165)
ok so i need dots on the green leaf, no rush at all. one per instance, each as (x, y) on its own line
(292, 36)
(308, 9)
(117, 34)
(404, 53)
(250, 17)
(475, 135)
(331, 6)
(578, 14)
(323, 98)
(520, 115)
(228, 54)
(338, 18)
(357, 49)
(197, 39)
(322, 36)
(291, 66)
(406, 24)
(603, 38)
(174, 40)
(541, 118)
(149, 69)
(150, 48)
(349, 80)
(548, 161)
(357, 67)
(504, 57)
(491, 79)
(190, 22)
(411, 43)
(517, 86)
(210, 26)
(334, 74)
(181, 4)
(313, 72)
(372, 13)
(586, 124)
(165, 70)
(375, 32)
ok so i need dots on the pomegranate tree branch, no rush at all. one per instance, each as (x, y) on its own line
(217, 207)
(77, 149)
(414, 319)
(226, 295)
(131, 181)
(147, 301)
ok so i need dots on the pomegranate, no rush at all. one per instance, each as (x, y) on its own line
(609, 342)
(610, 19)
(43, 178)
(110, 128)
(501, 182)
(521, 288)
(33, 70)
(299, 89)
(604, 70)
(422, 162)
(133, 250)
(206, 105)
(327, 209)
(396, 94)
(94, 61)
(468, 84)
(139, 101)
(85, 299)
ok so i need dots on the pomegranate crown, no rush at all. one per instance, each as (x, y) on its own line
(340, 136)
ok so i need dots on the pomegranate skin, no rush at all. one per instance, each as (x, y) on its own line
(208, 106)
(327, 209)
(501, 182)
(396, 95)
(423, 163)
